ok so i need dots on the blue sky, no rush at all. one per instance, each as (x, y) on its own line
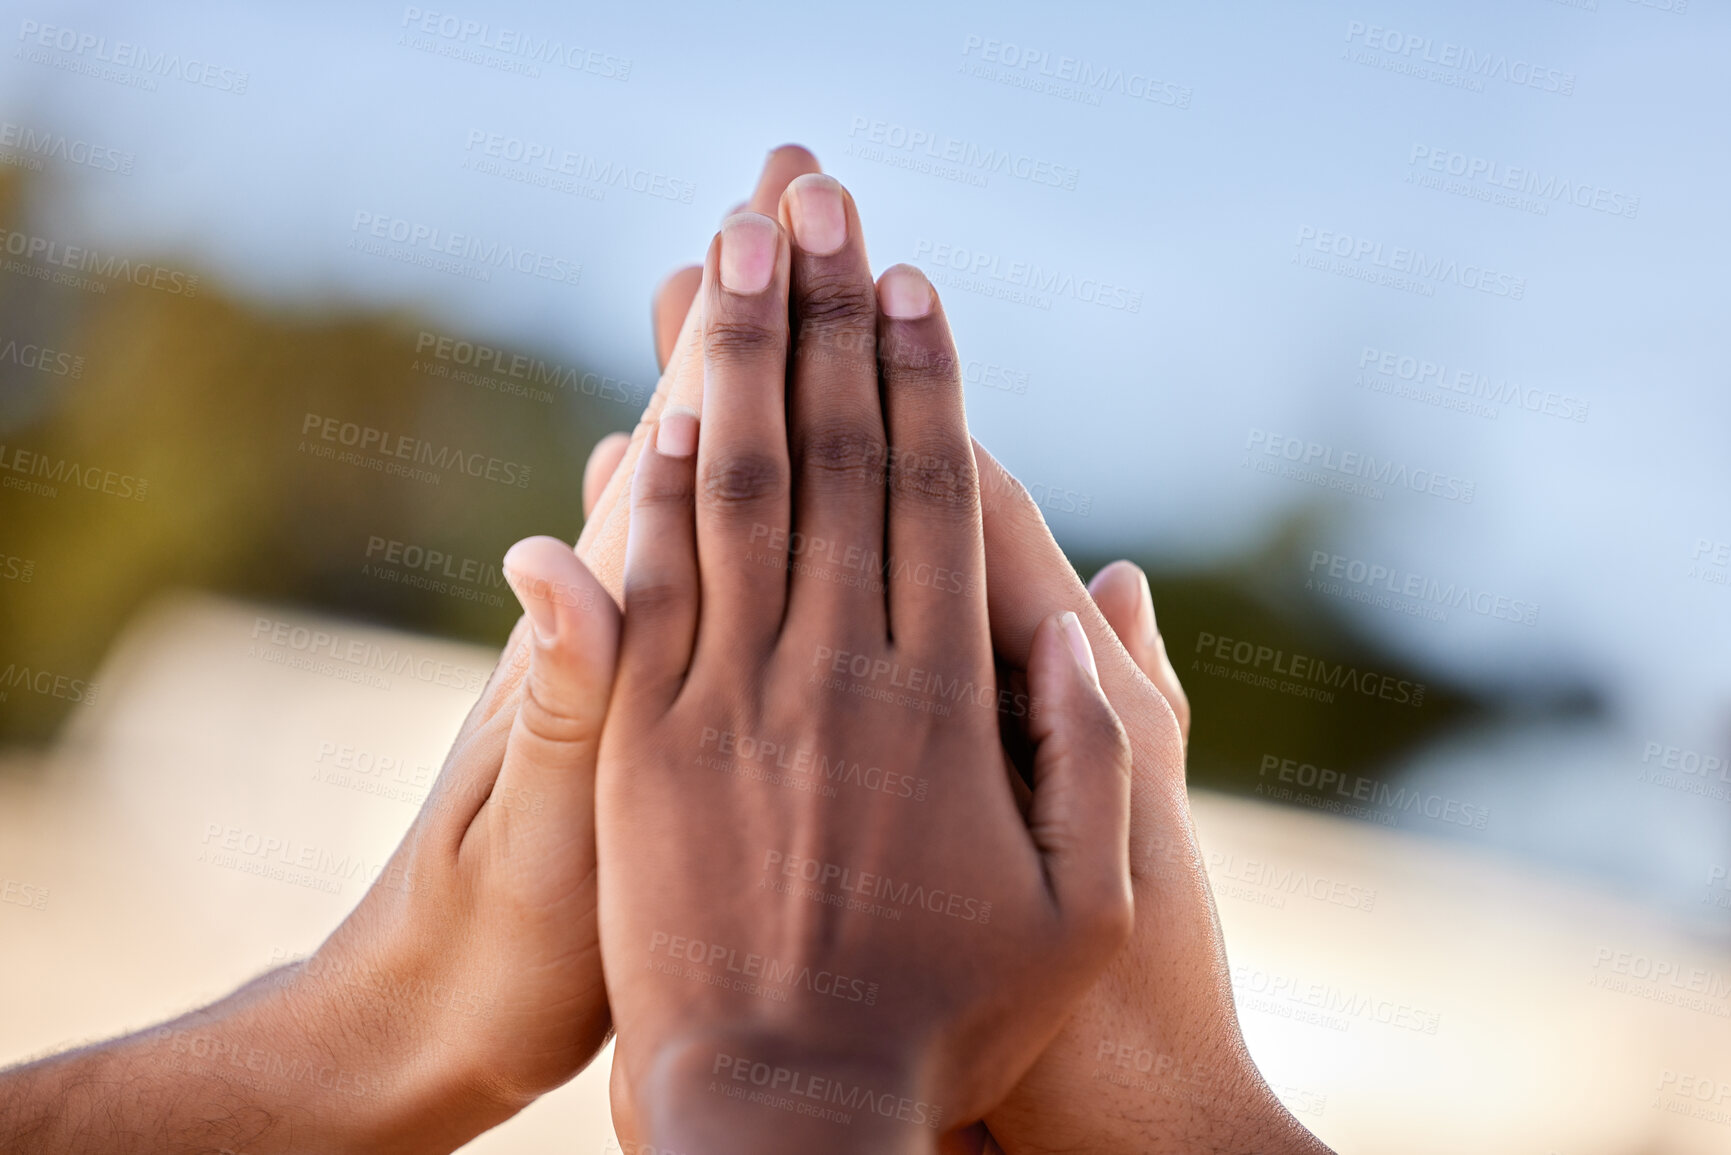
(1293, 196)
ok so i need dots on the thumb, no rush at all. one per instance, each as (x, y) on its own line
(1080, 815)
(573, 644)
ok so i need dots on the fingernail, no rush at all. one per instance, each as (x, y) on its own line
(1071, 625)
(533, 592)
(819, 214)
(904, 293)
(677, 434)
(747, 253)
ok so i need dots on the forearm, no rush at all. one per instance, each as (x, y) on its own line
(258, 1073)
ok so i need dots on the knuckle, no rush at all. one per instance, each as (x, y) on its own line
(939, 482)
(655, 597)
(848, 452)
(555, 713)
(742, 339)
(743, 480)
(660, 489)
(1111, 914)
(837, 302)
(920, 365)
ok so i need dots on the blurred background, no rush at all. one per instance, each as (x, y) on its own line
(1389, 337)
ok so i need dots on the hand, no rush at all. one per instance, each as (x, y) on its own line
(495, 907)
(938, 1011)
(466, 982)
(1168, 996)
(474, 959)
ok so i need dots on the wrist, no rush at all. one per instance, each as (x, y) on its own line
(377, 1069)
(764, 1092)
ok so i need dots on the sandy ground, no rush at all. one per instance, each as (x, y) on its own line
(1402, 994)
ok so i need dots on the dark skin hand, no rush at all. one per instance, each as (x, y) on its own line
(1169, 991)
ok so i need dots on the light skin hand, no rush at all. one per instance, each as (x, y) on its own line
(466, 982)
(1169, 993)
(730, 638)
